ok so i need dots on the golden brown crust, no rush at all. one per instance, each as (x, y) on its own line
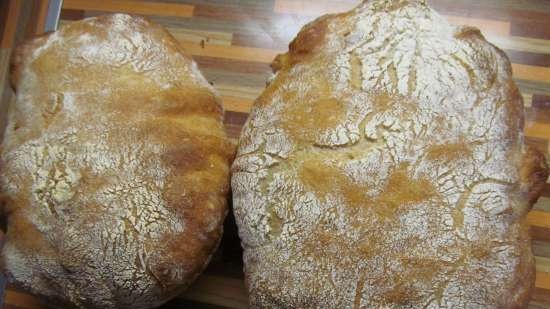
(384, 167)
(308, 39)
(115, 166)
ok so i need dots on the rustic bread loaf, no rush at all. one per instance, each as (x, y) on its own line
(385, 167)
(115, 166)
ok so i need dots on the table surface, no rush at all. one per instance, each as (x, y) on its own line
(234, 41)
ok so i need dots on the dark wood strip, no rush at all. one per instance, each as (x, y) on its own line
(6, 93)
(235, 118)
(67, 14)
(540, 298)
(23, 299)
(218, 290)
(534, 28)
(11, 23)
(9, 306)
(540, 233)
(541, 248)
(541, 101)
(546, 190)
(12, 287)
(225, 269)
(4, 8)
(179, 303)
(541, 60)
(233, 131)
(228, 260)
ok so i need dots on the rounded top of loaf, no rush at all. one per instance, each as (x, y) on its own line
(115, 166)
(381, 168)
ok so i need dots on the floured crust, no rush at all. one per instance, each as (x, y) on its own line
(384, 167)
(115, 166)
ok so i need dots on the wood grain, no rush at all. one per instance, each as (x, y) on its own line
(230, 52)
(543, 281)
(41, 15)
(517, 43)
(10, 24)
(132, 7)
(536, 129)
(313, 7)
(541, 101)
(529, 72)
(485, 25)
(539, 219)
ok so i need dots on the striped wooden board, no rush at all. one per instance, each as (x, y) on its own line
(233, 41)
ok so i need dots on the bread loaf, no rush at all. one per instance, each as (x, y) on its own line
(385, 167)
(115, 166)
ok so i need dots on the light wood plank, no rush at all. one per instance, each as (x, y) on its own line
(313, 7)
(485, 25)
(231, 52)
(198, 36)
(529, 72)
(132, 7)
(539, 218)
(535, 129)
(531, 45)
(543, 280)
(236, 104)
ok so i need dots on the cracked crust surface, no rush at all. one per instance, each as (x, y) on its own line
(115, 166)
(384, 167)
